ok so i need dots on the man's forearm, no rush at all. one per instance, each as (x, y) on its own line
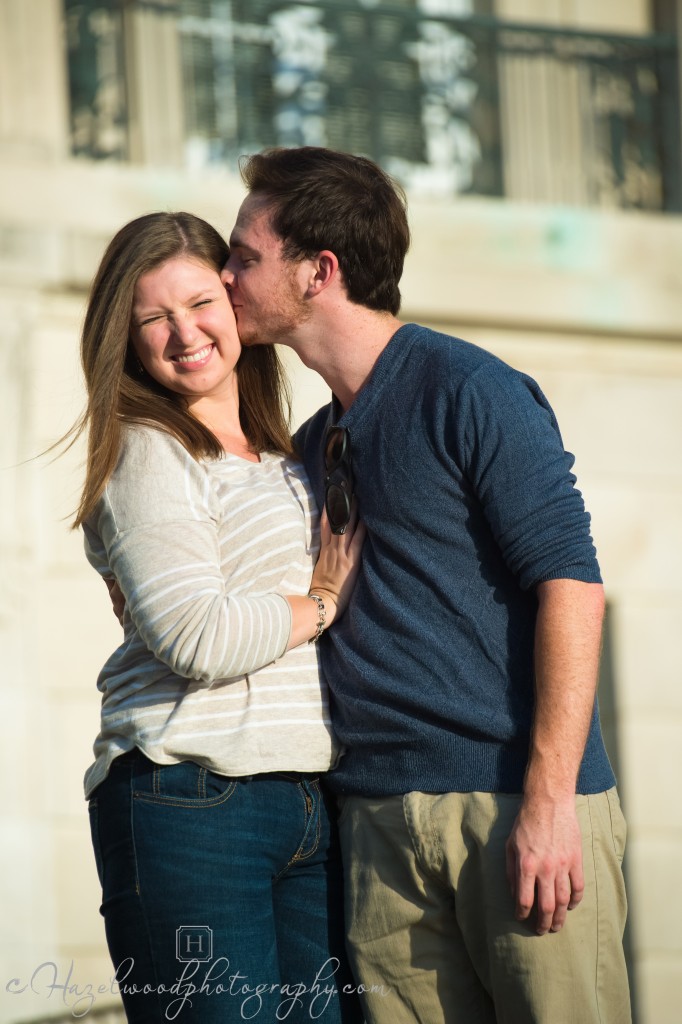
(567, 646)
(544, 852)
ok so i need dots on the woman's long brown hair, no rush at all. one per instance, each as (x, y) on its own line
(119, 393)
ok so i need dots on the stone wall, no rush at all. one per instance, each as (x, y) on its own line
(588, 303)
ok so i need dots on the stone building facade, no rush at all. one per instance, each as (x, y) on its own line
(581, 289)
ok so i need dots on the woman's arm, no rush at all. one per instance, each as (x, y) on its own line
(345, 564)
(158, 521)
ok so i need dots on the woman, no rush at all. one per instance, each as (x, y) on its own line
(214, 843)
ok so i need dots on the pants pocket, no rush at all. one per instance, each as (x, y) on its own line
(618, 824)
(186, 784)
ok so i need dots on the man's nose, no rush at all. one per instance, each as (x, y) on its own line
(227, 276)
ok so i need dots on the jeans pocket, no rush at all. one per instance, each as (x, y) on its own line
(186, 784)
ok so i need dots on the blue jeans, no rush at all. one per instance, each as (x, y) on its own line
(222, 897)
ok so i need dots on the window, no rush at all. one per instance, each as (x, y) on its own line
(443, 95)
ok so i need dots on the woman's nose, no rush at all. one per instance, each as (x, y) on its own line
(184, 329)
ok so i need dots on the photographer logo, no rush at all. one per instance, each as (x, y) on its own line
(194, 942)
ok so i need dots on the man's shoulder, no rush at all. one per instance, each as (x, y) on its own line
(440, 353)
(466, 354)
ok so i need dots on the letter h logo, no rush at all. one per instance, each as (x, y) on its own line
(194, 942)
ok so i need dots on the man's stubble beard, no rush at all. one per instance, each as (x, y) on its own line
(279, 324)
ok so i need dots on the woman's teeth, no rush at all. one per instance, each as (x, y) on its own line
(196, 356)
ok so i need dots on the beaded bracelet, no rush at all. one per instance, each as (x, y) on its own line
(321, 617)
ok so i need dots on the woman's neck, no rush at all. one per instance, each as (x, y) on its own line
(221, 417)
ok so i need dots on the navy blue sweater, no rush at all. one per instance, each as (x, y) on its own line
(469, 501)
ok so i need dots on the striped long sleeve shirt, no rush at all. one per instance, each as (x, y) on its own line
(204, 552)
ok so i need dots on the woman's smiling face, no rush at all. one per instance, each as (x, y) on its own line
(183, 329)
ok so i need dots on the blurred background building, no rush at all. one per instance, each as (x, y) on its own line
(540, 145)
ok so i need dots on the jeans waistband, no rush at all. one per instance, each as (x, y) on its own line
(136, 755)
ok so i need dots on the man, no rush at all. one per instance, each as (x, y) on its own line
(477, 802)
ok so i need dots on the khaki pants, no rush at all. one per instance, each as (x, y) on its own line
(431, 925)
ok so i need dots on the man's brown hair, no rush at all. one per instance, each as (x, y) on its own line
(324, 199)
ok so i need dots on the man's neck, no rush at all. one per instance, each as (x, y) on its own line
(343, 348)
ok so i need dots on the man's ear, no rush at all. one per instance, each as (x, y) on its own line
(324, 269)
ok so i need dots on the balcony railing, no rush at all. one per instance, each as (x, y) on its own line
(448, 104)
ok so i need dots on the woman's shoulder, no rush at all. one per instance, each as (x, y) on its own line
(142, 436)
(150, 458)
(155, 480)
(146, 446)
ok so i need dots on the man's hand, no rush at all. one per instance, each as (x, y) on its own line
(544, 862)
(118, 602)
